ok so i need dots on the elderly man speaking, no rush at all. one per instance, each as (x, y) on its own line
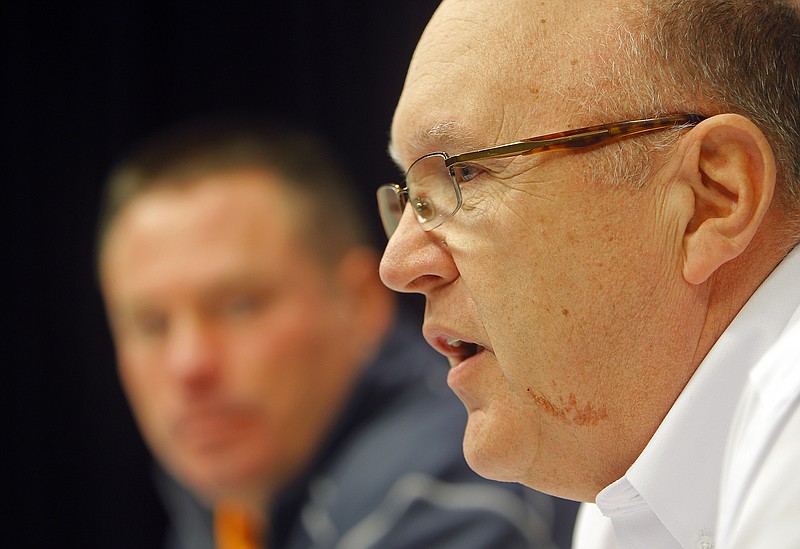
(601, 205)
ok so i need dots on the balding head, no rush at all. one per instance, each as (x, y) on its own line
(574, 307)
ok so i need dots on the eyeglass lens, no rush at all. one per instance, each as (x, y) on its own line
(431, 191)
(390, 206)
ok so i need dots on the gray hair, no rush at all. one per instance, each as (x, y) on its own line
(706, 56)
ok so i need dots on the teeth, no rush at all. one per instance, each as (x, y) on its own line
(453, 342)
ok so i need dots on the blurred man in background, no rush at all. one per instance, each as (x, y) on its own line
(287, 402)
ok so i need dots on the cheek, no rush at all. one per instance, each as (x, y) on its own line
(279, 358)
(528, 289)
(507, 287)
(151, 395)
(559, 293)
(271, 356)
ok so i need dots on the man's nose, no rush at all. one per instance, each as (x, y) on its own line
(416, 261)
(192, 355)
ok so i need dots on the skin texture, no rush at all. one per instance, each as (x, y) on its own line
(595, 303)
(236, 347)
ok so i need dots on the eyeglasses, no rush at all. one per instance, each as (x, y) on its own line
(433, 182)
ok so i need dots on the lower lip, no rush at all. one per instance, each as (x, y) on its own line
(460, 374)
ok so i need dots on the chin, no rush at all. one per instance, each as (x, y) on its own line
(488, 450)
(218, 476)
(214, 486)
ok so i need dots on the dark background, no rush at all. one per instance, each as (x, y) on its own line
(83, 83)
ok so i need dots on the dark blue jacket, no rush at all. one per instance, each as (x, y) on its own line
(392, 475)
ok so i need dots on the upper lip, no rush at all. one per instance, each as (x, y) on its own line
(442, 340)
(215, 412)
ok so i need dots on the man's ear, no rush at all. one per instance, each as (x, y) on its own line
(730, 168)
(357, 276)
(369, 305)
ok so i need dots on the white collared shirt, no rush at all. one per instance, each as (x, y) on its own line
(670, 496)
(760, 499)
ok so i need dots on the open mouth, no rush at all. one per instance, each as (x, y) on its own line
(463, 349)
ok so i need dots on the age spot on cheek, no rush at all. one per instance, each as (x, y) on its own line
(568, 409)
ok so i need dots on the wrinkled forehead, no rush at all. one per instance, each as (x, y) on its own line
(486, 71)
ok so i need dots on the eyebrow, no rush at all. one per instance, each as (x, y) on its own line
(450, 137)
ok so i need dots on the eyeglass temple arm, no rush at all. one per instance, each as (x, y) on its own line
(578, 139)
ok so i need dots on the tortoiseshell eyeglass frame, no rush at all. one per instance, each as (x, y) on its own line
(580, 138)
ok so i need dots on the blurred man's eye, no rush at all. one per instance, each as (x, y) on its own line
(241, 306)
(150, 325)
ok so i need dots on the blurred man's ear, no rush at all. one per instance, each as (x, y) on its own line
(357, 269)
(369, 301)
(730, 169)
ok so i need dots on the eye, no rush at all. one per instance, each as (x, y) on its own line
(465, 172)
(150, 324)
(240, 306)
(423, 208)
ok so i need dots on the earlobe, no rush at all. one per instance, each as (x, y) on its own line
(731, 172)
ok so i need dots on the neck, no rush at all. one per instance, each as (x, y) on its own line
(735, 282)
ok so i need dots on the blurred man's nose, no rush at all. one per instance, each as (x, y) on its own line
(193, 351)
